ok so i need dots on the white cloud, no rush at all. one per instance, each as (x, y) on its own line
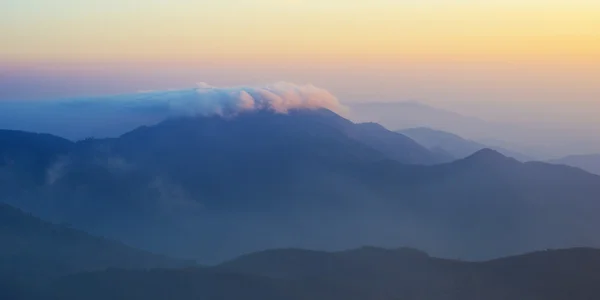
(279, 97)
(115, 115)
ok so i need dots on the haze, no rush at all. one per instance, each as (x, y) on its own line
(527, 57)
(299, 149)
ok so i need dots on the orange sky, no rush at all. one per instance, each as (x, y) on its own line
(430, 50)
(334, 31)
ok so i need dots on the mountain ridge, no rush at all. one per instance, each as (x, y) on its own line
(454, 145)
(587, 162)
(210, 187)
(327, 275)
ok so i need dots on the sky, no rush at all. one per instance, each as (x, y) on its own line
(437, 51)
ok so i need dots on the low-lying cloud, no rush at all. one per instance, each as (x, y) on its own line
(279, 97)
(115, 115)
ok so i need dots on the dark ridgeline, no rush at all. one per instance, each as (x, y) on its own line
(361, 274)
(34, 252)
(42, 261)
(212, 188)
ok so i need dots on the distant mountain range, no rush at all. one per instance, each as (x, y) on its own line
(452, 145)
(211, 188)
(590, 163)
(403, 115)
(43, 261)
(536, 140)
(361, 274)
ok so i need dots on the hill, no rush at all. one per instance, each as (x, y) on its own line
(452, 144)
(361, 274)
(590, 163)
(24, 156)
(538, 140)
(33, 252)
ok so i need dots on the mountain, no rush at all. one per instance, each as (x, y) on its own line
(195, 168)
(34, 252)
(590, 163)
(368, 141)
(541, 140)
(411, 114)
(395, 145)
(488, 199)
(24, 156)
(408, 114)
(411, 274)
(212, 188)
(30, 244)
(452, 144)
(361, 274)
(298, 263)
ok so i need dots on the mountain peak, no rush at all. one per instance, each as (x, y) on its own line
(489, 156)
(369, 251)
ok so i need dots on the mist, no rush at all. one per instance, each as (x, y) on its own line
(536, 130)
(301, 149)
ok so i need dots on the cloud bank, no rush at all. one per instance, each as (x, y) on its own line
(115, 115)
(279, 97)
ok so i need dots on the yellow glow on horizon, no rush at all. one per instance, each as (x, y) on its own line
(313, 31)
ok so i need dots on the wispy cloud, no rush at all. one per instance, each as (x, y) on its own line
(279, 97)
(114, 115)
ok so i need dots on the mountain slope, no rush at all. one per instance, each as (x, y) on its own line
(297, 263)
(34, 253)
(25, 156)
(395, 145)
(488, 199)
(454, 145)
(212, 188)
(361, 274)
(410, 274)
(292, 130)
(529, 138)
(36, 250)
(590, 163)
